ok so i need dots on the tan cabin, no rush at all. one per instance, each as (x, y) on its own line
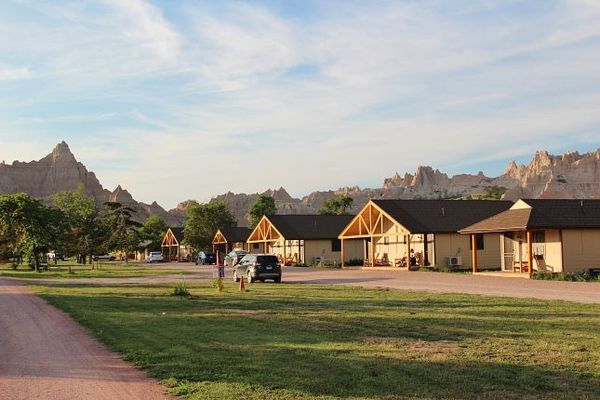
(173, 248)
(227, 239)
(421, 233)
(302, 239)
(544, 235)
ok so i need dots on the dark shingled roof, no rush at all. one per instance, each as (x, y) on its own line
(178, 233)
(543, 214)
(440, 216)
(310, 227)
(236, 234)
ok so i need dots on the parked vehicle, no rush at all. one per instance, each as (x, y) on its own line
(108, 257)
(54, 255)
(154, 256)
(234, 257)
(260, 267)
(206, 258)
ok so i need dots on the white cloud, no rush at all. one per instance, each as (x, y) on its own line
(14, 73)
(192, 104)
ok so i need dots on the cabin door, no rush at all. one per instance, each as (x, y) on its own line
(508, 252)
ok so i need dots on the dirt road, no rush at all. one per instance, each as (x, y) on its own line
(44, 354)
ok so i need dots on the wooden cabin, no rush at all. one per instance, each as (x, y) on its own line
(543, 235)
(302, 239)
(422, 233)
(227, 239)
(173, 248)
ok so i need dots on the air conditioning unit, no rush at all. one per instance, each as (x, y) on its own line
(455, 261)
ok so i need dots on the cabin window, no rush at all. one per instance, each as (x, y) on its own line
(336, 245)
(386, 240)
(256, 246)
(478, 240)
(538, 246)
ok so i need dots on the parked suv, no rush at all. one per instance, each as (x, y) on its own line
(154, 256)
(257, 267)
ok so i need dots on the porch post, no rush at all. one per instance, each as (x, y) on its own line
(265, 247)
(343, 258)
(284, 253)
(474, 251)
(530, 253)
(408, 251)
(226, 248)
(372, 251)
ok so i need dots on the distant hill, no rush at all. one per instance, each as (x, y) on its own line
(60, 171)
(571, 175)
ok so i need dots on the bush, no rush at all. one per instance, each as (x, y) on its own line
(218, 284)
(561, 276)
(180, 289)
(355, 262)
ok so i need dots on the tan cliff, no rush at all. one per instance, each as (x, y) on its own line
(571, 175)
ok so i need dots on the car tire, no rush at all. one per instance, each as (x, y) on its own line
(277, 280)
(235, 277)
(249, 278)
(262, 280)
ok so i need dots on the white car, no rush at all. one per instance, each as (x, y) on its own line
(154, 256)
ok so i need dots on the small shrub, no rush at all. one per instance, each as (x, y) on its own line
(218, 284)
(355, 262)
(561, 276)
(180, 289)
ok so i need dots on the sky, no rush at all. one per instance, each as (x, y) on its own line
(180, 100)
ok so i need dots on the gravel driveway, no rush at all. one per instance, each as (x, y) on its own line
(44, 354)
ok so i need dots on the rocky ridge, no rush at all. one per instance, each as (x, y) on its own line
(571, 175)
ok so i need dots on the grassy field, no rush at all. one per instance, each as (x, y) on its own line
(320, 342)
(106, 270)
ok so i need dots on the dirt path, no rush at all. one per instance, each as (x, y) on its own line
(44, 354)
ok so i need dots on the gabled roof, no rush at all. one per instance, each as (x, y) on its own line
(440, 216)
(310, 227)
(178, 233)
(236, 233)
(542, 214)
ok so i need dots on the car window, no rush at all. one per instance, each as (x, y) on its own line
(267, 259)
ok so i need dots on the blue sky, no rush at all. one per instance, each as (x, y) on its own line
(177, 99)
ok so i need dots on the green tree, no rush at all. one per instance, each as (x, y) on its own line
(123, 229)
(152, 232)
(85, 235)
(336, 206)
(203, 220)
(29, 228)
(264, 205)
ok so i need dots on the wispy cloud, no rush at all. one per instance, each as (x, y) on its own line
(14, 73)
(189, 97)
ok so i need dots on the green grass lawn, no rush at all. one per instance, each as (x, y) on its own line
(320, 342)
(107, 270)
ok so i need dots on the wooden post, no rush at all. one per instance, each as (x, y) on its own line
(265, 247)
(530, 253)
(343, 258)
(226, 248)
(300, 252)
(372, 251)
(474, 251)
(408, 251)
(284, 253)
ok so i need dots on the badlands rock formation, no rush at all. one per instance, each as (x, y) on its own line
(571, 175)
(60, 171)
